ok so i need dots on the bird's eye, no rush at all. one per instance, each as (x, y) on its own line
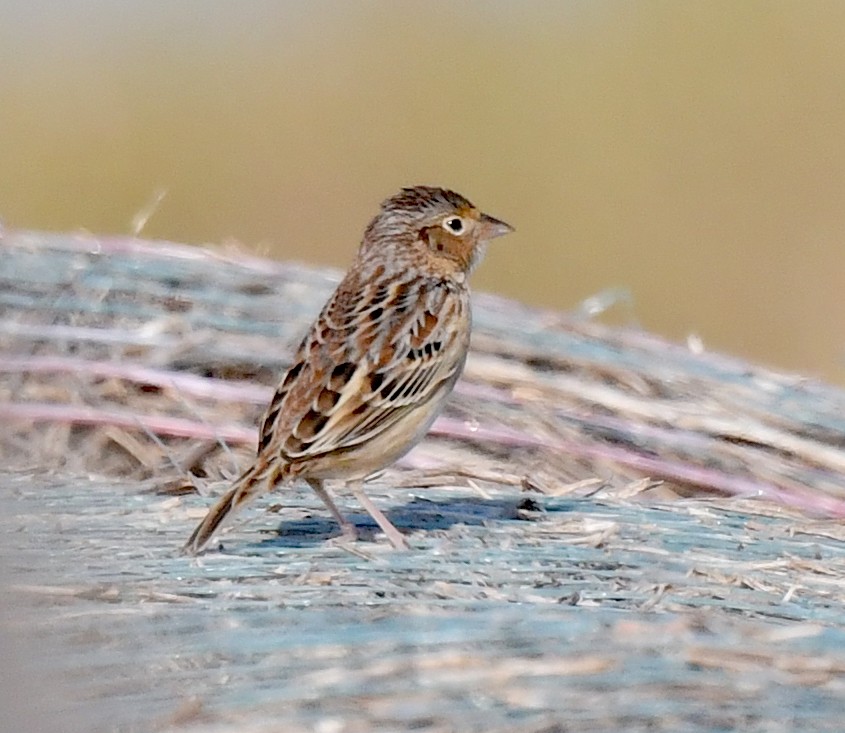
(454, 224)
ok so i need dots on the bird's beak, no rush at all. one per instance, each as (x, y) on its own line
(492, 228)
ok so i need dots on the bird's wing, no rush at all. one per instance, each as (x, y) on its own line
(378, 351)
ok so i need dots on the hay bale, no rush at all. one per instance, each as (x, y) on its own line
(609, 531)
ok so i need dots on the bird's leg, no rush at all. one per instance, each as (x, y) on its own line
(397, 539)
(349, 531)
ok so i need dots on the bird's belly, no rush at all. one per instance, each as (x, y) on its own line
(381, 450)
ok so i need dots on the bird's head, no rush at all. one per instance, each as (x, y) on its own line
(436, 222)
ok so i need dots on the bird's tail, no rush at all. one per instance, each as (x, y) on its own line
(254, 482)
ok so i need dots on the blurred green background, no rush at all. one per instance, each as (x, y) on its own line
(691, 152)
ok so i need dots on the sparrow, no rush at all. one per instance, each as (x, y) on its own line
(377, 365)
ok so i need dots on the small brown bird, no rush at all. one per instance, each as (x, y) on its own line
(377, 365)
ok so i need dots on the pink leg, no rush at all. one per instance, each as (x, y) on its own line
(347, 528)
(397, 539)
